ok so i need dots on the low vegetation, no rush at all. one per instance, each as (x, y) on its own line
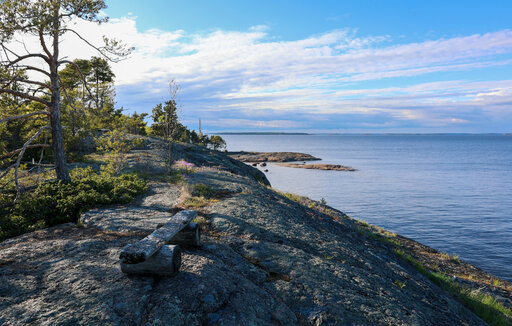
(200, 195)
(202, 190)
(52, 203)
(94, 134)
(483, 305)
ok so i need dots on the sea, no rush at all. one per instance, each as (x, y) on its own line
(452, 192)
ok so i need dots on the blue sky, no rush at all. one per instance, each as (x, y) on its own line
(323, 66)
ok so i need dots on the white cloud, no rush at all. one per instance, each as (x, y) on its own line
(243, 72)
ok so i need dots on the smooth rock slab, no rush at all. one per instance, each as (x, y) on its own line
(160, 195)
(70, 276)
(126, 219)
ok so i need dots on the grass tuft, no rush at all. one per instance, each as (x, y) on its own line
(399, 284)
(483, 305)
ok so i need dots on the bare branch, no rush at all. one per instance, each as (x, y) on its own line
(67, 96)
(28, 56)
(25, 96)
(38, 90)
(35, 69)
(19, 150)
(7, 171)
(20, 156)
(109, 48)
(82, 77)
(42, 152)
(6, 49)
(43, 44)
(23, 80)
(86, 41)
(28, 115)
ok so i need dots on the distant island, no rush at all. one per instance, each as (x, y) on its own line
(256, 157)
(332, 167)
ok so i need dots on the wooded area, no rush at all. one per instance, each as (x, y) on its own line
(50, 102)
(53, 110)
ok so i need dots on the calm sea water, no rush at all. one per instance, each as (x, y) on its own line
(451, 192)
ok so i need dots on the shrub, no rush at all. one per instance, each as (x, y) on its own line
(54, 203)
(202, 190)
(116, 144)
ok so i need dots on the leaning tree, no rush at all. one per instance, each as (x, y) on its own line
(33, 76)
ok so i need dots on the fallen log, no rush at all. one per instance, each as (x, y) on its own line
(165, 262)
(145, 248)
(189, 236)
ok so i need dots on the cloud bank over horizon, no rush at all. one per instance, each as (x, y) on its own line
(331, 82)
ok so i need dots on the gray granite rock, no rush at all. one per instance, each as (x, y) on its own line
(266, 261)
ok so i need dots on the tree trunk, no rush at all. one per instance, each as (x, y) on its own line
(61, 168)
(57, 140)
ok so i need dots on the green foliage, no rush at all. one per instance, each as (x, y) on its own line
(166, 124)
(177, 176)
(34, 16)
(49, 21)
(483, 305)
(14, 134)
(399, 284)
(91, 107)
(195, 202)
(113, 141)
(293, 197)
(165, 120)
(117, 145)
(133, 124)
(53, 203)
(202, 190)
(216, 142)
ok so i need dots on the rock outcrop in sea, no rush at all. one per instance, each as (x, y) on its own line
(256, 157)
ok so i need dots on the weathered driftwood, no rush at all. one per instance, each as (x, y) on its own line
(142, 250)
(189, 236)
(165, 262)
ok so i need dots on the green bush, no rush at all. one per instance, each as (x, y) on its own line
(202, 190)
(54, 203)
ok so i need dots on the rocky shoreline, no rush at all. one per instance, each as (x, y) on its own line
(261, 158)
(267, 258)
(257, 157)
(329, 167)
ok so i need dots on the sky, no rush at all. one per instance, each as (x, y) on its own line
(317, 66)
